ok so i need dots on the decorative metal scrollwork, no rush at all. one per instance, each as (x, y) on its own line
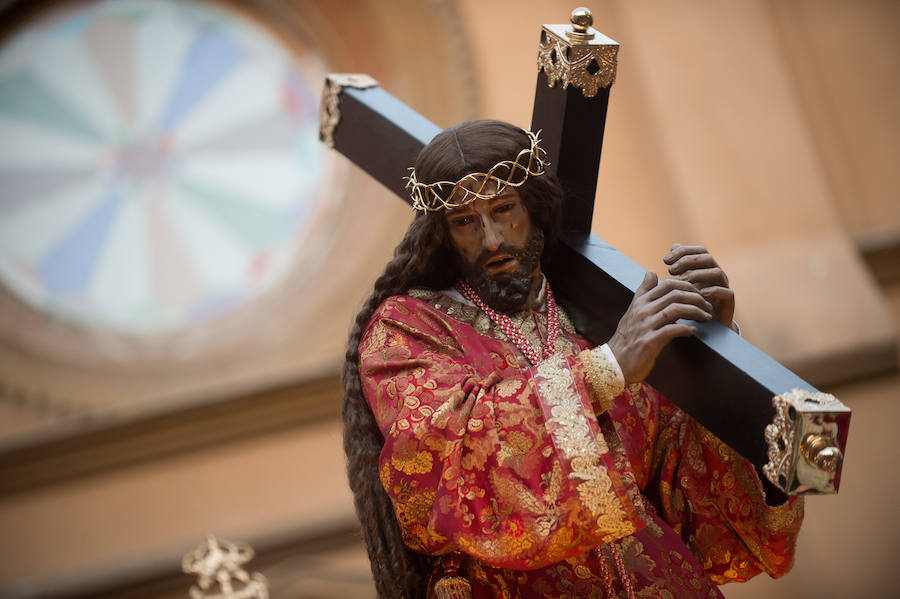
(780, 437)
(217, 564)
(586, 67)
(573, 57)
(804, 442)
(331, 102)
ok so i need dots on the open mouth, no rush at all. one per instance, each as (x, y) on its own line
(500, 263)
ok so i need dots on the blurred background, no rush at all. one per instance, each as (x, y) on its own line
(180, 258)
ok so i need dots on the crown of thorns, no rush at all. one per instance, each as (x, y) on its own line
(430, 197)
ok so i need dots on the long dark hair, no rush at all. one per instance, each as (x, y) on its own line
(424, 258)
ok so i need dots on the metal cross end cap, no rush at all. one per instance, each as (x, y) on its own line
(578, 56)
(581, 20)
(806, 442)
(330, 116)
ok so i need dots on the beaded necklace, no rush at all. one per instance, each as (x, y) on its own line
(511, 331)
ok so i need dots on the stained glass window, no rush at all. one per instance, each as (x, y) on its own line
(159, 162)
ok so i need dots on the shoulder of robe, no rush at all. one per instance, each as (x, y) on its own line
(414, 310)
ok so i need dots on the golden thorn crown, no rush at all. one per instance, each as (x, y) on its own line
(431, 197)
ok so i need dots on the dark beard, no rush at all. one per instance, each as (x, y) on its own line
(506, 292)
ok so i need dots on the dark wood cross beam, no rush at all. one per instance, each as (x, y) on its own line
(792, 433)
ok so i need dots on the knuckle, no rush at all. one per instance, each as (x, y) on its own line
(674, 284)
(689, 297)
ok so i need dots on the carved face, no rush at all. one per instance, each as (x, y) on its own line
(498, 249)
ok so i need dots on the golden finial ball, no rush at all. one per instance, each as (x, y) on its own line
(581, 19)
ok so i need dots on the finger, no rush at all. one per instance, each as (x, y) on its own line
(680, 296)
(650, 281)
(718, 293)
(693, 262)
(670, 314)
(667, 286)
(662, 337)
(679, 250)
(705, 277)
(724, 297)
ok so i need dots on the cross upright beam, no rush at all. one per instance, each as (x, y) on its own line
(576, 70)
(794, 434)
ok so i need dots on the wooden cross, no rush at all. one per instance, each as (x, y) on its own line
(792, 433)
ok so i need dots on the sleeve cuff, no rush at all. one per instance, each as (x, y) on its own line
(604, 376)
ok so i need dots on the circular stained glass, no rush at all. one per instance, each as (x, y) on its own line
(159, 163)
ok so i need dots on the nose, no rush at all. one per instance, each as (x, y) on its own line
(493, 237)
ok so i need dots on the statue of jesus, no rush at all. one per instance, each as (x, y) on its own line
(494, 450)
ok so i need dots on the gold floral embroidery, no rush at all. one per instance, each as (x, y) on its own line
(482, 323)
(418, 507)
(514, 445)
(565, 323)
(603, 380)
(418, 463)
(378, 335)
(572, 435)
(553, 482)
(511, 542)
(423, 293)
(508, 388)
(385, 475)
(479, 450)
(442, 414)
(533, 326)
(515, 493)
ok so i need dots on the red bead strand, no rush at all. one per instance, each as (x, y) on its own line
(512, 331)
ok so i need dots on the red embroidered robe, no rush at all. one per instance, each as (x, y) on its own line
(517, 467)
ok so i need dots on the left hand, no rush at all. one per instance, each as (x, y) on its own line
(694, 264)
